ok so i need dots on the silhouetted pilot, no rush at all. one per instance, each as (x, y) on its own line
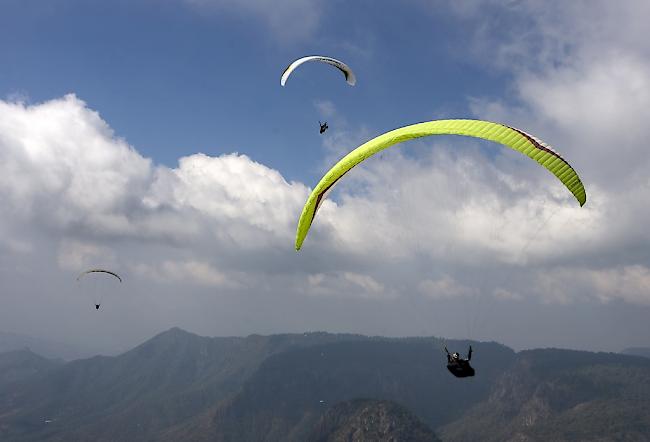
(458, 366)
(323, 127)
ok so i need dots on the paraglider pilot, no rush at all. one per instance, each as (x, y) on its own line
(458, 366)
(323, 127)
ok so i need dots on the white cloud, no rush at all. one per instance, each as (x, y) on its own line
(251, 204)
(444, 287)
(448, 204)
(368, 283)
(77, 256)
(454, 206)
(189, 273)
(64, 173)
(61, 164)
(325, 108)
(506, 295)
(346, 284)
(583, 82)
(581, 87)
(627, 283)
(440, 217)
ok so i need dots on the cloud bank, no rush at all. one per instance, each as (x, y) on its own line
(437, 220)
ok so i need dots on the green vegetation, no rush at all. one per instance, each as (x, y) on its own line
(295, 387)
(370, 420)
(563, 395)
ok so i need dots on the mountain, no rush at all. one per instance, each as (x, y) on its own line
(320, 386)
(563, 395)
(286, 396)
(637, 351)
(370, 420)
(168, 379)
(43, 347)
(19, 365)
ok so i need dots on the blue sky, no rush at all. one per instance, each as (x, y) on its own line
(174, 79)
(153, 137)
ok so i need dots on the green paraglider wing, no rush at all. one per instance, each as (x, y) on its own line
(508, 136)
(99, 271)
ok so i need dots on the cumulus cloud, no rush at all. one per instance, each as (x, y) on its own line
(77, 256)
(250, 203)
(62, 165)
(345, 284)
(62, 170)
(433, 221)
(450, 205)
(582, 82)
(188, 273)
(582, 88)
(444, 287)
(579, 78)
(628, 283)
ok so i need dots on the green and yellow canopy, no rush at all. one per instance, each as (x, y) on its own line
(508, 136)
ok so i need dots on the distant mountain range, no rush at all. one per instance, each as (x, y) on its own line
(637, 351)
(322, 387)
(43, 347)
(18, 365)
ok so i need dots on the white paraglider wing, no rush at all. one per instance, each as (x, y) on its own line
(349, 75)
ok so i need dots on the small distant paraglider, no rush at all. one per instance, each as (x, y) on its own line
(338, 64)
(97, 282)
(323, 127)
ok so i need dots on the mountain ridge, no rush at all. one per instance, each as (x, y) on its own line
(182, 386)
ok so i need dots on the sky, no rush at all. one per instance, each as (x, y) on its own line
(153, 138)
